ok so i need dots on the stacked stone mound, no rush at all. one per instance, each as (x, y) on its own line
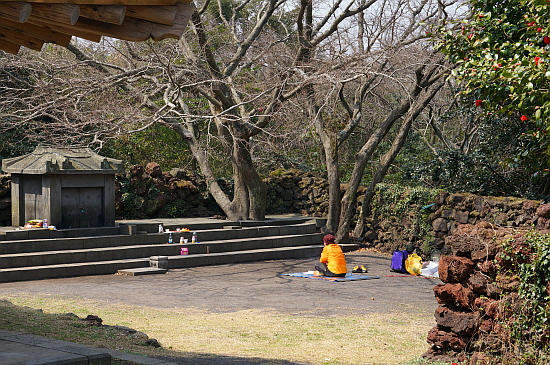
(471, 297)
(148, 192)
(295, 191)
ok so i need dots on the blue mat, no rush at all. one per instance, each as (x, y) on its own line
(348, 277)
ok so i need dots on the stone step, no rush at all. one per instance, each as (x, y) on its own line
(122, 228)
(279, 253)
(70, 270)
(174, 262)
(43, 245)
(142, 271)
(47, 258)
(221, 242)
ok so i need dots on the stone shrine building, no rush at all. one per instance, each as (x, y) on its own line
(71, 188)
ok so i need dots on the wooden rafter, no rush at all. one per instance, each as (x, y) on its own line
(61, 13)
(157, 14)
(113, 14)
(42, 33)
(9, 47)
(16, 10)
(32, 23)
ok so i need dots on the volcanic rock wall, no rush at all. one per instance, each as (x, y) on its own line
(476, 300)
(148, 192)
(295, 191)
(445, 213)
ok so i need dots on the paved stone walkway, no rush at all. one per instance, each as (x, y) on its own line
(251, 285)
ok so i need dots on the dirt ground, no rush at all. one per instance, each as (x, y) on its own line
(254, 285)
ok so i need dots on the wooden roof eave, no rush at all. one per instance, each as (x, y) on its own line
(107, 2)
(57, 23)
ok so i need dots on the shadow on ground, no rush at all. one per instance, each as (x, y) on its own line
(205, 359)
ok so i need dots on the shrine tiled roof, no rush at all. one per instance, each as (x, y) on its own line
(48, 160)
(32, 23)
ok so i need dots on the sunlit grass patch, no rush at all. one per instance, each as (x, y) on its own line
(392, 338)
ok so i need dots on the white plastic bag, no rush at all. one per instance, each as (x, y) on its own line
(431, 270)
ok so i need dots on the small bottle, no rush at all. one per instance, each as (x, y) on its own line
(181, 239)
(161, 228)
(45, 223)
(170, 240)
(194, 237)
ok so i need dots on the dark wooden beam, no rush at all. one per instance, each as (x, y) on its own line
(64, 28)
(21, 39)
(108, 2)
(9, 47)
(61, 13)
(16, 10)
(131, 29)
(156, 14)
(45, 34)
(113, 14)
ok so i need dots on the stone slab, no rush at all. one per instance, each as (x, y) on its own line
(19, 354)
(142, 271)
(19, 349)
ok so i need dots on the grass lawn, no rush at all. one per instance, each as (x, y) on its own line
(257, 334)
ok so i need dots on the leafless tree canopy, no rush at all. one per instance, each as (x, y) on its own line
(248, 80)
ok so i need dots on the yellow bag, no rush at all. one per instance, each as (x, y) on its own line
(413, 264)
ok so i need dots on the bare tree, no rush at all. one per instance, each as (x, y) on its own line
(390, 78)
(219, 87)
(241, 66)
(196, 87)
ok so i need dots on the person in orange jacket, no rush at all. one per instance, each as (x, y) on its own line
(333, 261)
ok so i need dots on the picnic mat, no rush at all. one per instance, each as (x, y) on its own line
(348, 277)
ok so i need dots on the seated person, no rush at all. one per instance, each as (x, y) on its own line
(333, 261)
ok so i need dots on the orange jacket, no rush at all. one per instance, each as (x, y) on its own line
(334, 258)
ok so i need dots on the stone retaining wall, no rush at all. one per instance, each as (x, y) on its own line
(148, 192)
(445, 213)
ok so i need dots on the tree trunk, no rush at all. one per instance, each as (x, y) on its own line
(389, 157)
(383, 167)
(333, 172)
(361, 159)
(239, 208)
(425, 82)
(202, 159)
(253, 196)
(330, 144)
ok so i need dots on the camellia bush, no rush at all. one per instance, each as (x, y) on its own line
(501, 52)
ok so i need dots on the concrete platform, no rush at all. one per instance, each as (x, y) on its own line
(249, 286)
(21, 349)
